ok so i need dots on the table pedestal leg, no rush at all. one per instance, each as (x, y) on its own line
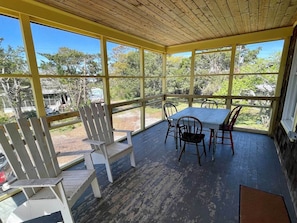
(214, 144)
(175, 138)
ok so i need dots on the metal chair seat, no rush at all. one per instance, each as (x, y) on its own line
(190, 131)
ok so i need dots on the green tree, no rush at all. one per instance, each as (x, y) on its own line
(213, 63)
(16, 90)
(125, 66)
(211, 68)
(72, 62)
(178, 70)
(153, 64)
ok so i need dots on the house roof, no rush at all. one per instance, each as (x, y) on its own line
(174, 22)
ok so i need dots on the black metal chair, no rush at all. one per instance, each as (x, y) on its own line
(209, 104)
(169, 109)
(227, 127)
(190, 131)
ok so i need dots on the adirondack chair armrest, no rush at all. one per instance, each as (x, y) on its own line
(77, 152)
(128, 132)
(93, 142)
(121, 130)
(29, 183)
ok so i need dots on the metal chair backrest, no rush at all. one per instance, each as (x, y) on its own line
(190, 131)
(169, 109)
(189, 127)
(209, 104)
(233, 117)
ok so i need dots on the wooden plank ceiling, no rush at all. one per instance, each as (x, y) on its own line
(173, 22)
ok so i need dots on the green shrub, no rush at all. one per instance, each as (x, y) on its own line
(4, 118)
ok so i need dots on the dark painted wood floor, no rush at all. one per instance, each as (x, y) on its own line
(161, 189)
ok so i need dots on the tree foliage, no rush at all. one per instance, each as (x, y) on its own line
(252, 75)
(15, 90)
(72, 62)
(178, 70)
(124, 66)
(153, 70)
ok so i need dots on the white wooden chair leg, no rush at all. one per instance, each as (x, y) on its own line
(108, 170)
(90, 166)
(132, 159)
(65, 208)
(67, 216)
(96, 188)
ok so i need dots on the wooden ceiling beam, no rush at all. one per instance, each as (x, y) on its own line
(268, 35)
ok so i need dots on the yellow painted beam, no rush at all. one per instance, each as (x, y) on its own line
(275, 105)
(164, 79)
(104, 61)
(268, 35)
(192, 74)
(142, 90)
(31, 58)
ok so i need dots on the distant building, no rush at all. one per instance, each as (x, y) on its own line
(55, 100)
(96, 95)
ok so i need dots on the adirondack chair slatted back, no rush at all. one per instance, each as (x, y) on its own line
(29, 146)
(12, 157)
(47, 149)
(96, 120)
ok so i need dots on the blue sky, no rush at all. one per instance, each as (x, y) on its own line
(268, 48)
(49, 40)
(54, 38)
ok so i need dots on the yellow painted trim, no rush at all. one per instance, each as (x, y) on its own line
(9, 194)
(142, 90)
(104, 61)
(282, 66)
(8, 12)
(31, 58)
(47, 15)
(192, 75)
(282, 69)
(268, 35)
(164, 70)
(231, 77)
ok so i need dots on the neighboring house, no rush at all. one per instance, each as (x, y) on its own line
(53, 100)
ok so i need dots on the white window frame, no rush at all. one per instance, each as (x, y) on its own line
(289, 117)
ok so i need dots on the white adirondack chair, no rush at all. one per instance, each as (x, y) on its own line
(29, 150)
(97, 122)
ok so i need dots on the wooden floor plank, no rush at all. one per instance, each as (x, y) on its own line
(161, 189)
